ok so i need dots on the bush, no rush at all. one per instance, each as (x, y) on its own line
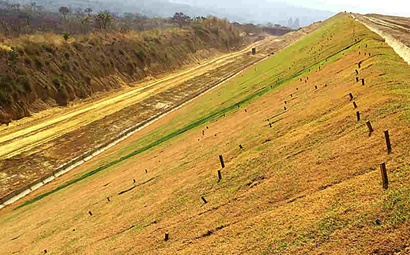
(58, 83)
(66, 66)
(23, 84)
(38, 63)
(27, 62)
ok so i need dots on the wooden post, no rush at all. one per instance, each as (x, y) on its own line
(354, 105)
(270, 124)
(219, 175)
(108, 199)
(357, 72)
(363, 82)
(369, 126)
(357, 79)
(222, 161)
(351, 96)
(285, 102)
(284, 108)
(203, 199)
(359, 64)
(166, 237)
(315, 87)
(358, 115)
(388, 144)
(240, 146)
(384, 175)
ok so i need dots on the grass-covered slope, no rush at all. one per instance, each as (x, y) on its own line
(306, 180)
(44, 70)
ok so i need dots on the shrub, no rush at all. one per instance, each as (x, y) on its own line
(23, 84)
(38, 63)
(27, 61)
(66, 36)
(66, 66)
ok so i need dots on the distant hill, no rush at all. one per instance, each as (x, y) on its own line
(252, 11)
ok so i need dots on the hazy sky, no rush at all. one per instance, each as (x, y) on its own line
(394, 7)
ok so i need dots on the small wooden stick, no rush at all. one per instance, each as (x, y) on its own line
(384, 175)
(369, 126)
(221, 159)
(388, 144)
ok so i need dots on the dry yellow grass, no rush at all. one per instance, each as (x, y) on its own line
(310, 184)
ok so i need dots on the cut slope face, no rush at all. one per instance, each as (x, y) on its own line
(305, 181)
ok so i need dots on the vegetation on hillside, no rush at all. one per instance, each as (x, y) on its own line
(49, 59)
(300, 180)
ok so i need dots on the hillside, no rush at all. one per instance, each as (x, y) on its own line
(301, 173)
(44, 70)
(260, 11)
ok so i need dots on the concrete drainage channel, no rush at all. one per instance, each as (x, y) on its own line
(67, 167)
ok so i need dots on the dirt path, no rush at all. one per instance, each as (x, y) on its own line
(21, 139)
(376, 25)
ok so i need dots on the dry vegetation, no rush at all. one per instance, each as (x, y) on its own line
(43, 69)
(308, 184)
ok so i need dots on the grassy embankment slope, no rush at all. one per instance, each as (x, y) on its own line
(43, 70)
(308, 184)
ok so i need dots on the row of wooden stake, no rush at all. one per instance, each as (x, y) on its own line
(383, 168)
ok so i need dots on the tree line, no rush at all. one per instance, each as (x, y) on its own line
(17, 19)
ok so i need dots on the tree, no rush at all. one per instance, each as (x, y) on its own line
(181, 19)
(85, 22)
(15, 7)
(104, 19)
(64, 11)
(66, 36)
(88, 11)
(34, 6)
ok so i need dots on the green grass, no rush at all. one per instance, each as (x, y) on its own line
(397, 206)
(269, 75)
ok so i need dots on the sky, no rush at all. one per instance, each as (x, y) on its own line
(392, 7)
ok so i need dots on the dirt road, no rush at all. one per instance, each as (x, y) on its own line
(19, 139)
(395, 30)
(34, 147)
